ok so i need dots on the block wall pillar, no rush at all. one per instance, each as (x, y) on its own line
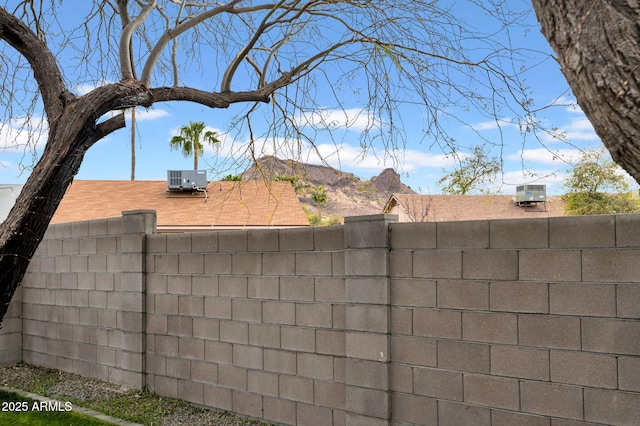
(130, 362)
(367, 319)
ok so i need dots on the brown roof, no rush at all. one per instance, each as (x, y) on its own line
(442, 208)
(226, 204)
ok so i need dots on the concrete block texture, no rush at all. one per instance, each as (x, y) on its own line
(415, 351)
(437, 323)
(587, 369)
(436, 264)
(367, 374)
(370, 346)
(464, 234)
(296, 239)
(608, 265)
(328, 238)
(367, 262)
(414, 236)
(629, 373)
(549, 265)
(455, 414)
(372, 290)
(611, 407)
(368, 231)
(458, 294)
(520, 362)
(413, 292)
(370, 402)
(492, 391)
(549, 331)
(627, 297)
(490, 264)
(627, 230)
(462, 356)
(312, 415)
(519, 296)
(314, 263)
(373, 323)
(367, 318)
(582, 299)
(263, 240)
(279, 411)
(519, 233)
(437, 383)
(414, 409)
(611, 336)
(582, 231)
(551, 399)
(490, 327)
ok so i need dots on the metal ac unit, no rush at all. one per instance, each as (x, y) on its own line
(186, 180)
(527, 194)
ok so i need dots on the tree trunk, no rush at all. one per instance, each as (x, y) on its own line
(20, 234)
(598, 48)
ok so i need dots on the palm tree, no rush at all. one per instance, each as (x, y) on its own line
(189, 140)
(133, 143)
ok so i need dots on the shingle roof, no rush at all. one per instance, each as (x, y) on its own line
(227, 204)
(441, 208)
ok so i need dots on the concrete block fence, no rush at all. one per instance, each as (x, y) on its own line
(503, 322)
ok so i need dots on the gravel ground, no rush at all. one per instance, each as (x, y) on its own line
(65, 386)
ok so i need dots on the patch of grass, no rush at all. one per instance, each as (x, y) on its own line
(136, 406)
(18, 410)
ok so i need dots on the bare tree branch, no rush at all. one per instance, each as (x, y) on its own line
(44, 65)
(126, 65)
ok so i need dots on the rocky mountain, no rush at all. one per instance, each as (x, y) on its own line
(347, 194)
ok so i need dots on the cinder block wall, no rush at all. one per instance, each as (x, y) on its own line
(250, 322)
(11, 332)
(516, 321)
(83, 299)
(371, 323)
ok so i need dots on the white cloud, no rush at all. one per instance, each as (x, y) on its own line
(150, 114)
(578, 130)
(493, 124)
(547, 156)
(22, 133)
(84, 88)
(570, 104)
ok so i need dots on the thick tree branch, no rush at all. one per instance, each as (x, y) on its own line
(219, 100)
(44, 66)
(126, 63)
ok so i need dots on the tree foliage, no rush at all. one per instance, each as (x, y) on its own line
(232, 178)
(473, 173)
(280, 61)
(597, 185)
(319, 196)
(191, 140)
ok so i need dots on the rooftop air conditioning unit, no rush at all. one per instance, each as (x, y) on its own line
(186, 180)
(527, 194)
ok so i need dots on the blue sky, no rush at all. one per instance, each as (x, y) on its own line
(420, 163)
